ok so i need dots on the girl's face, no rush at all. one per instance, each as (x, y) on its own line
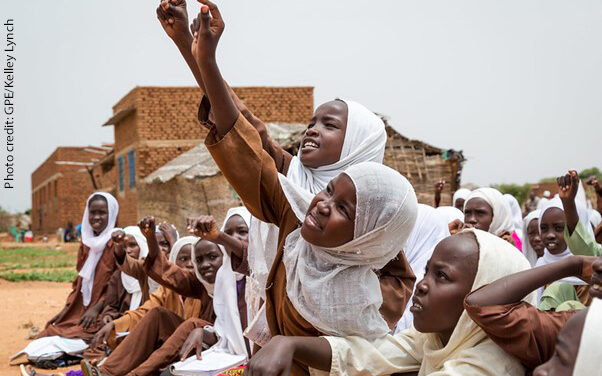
(325, 134)
(459, 204)
(552, 230)
(208, 259)
(478, 214)
(330, 219)
(449, 275)
(131, 246)
(567, 348)
(535, 238)
(163, 243)
(184, 260)
(98, 215)
(236, 227)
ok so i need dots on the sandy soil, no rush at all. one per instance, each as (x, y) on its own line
(23, 303)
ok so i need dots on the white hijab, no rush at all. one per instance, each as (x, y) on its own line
(528, 250)
(588, 357)
(336, 289)
(450, 213)
(365, 140)
(517, 215)
(429, 230)
(594, 217)
(462, 193)
(502, 215)
(130, 283)
(225, 300)
(97, 244)
(179, 244)
(549, 258)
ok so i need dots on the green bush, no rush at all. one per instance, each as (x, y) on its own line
(520, 192)
(53, 276)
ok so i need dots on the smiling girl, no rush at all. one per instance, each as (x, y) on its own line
(95, 264)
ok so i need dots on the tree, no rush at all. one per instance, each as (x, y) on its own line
(583, 175)
(520, 192)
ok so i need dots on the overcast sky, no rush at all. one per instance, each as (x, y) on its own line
(516, 84)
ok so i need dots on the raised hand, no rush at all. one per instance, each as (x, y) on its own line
(147, 226)
(568, 185)
(204, 227)
(118, 238)
(169, 231)
(194, 341)
(210, 29)
(173, 17)
(439, 186)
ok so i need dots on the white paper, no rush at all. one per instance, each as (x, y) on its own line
(212, 363)
(51, 347)
(258, 330)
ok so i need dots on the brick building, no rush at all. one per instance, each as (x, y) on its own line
(60, 185)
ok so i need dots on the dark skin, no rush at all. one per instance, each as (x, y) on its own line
(183, 261)
(459, 204)
(164, 245)
(124, 244)
(552, 230)
(169, 233)
(595, 290)
(513, 288)
(234, 238)
(208, 259)
(327, 127)
(568, 186)
(566, 350)
(98, 217)
(449, 277)
(534, 238)
(478, 214)
(438, 189)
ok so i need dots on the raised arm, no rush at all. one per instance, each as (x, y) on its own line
(156, 266)
(568, 185)
(438, 188)
(513, 288)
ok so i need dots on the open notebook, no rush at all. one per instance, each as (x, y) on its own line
(213, 363)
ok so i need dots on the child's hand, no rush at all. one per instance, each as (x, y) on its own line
(206, 37)
(593, 181)
(147, 226)
(455, 226)
(204, 227)
(194, 341)
(169, 231)
(586, 269)
(118, 237)
(439, 186)
(568, 185)
(173, 17)
(276, 358)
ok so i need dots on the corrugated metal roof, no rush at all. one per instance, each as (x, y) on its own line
(198, 163)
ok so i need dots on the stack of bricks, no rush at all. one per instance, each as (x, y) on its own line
(60, 187)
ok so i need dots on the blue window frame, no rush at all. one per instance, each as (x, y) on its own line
(121, 168)
(132, 169)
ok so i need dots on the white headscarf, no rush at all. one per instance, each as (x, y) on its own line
(502, 215)
(178, 245)
(594, 217)
(460, 193)
(429, 230)
(336, 289)
(225, 300)
(97, 244)
(450, 213)
(130, 283)
(549, 258)
(365, 140)
(588, 357)
(528, 250)
(517, 215)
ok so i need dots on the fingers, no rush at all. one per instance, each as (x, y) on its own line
(205, 20)
(215, 13)
(186, 348)
(199, 351)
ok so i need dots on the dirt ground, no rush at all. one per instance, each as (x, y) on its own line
(22, 303)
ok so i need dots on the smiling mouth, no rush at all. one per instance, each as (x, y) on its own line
(551, 245)
(311, 221)
(309, 145)
(416, 307)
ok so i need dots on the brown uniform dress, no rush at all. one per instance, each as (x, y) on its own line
(67, 324)
(155, 341)
(396, 278)
(521, 329)
(135, 268)
(255, 178)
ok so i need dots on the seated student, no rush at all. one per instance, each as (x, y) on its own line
(159, 324)
(443, 340)
(518, 327)
(342, 133)
(579, 237)
(181, 256)
(487, 210)
(533, 246)
(578, 345)
(353, 227)
(95, 264)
